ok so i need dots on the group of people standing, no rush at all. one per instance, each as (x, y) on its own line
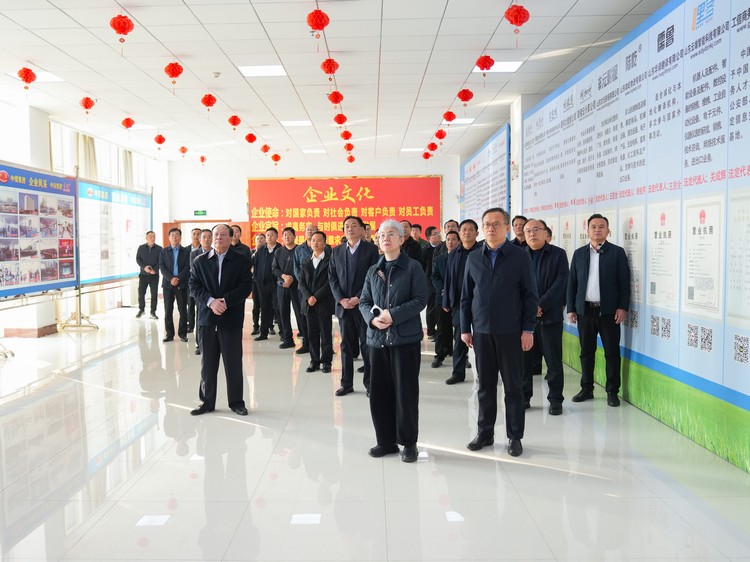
(505, 299)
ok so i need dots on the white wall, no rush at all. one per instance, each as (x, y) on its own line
(220, 188)
(519, 106)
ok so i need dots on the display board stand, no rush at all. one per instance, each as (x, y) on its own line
(77, 319)
(5, 353)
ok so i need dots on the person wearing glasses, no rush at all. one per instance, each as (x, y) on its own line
(498, 315)
(551, 271)
(394, 294)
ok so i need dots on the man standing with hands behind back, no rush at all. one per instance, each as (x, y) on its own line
(598, 301)
(220, 282)
(147, 258)
(174, 264)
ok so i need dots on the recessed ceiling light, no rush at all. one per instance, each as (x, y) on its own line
(41, 76)
(301, 123)
(412, 149)
(264, 70)
(501, 66)
(460, 121)
(314, 151)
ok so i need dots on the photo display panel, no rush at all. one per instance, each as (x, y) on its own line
(485, 177)
(37, 231)
(662, 149)
(114, 223)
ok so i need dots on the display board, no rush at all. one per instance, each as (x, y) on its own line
(654, 135)
(113, 224)
(485, 177)
(297, 202)
(37, 231)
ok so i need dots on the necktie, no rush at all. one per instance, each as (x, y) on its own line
(175, 253)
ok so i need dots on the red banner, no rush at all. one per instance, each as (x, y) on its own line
(326, 201)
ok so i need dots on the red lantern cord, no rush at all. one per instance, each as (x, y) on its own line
(335, 97)
(173, 70)
(27, 76)
(340, 119)
(234, 121)
(160, 140)
(348, 147)
(87, 103)
(183, 151)
(426, 155)
(122, 25)
(432, 147)
(485, 63)
(318, 20)
(517, 16)
(128, 122)
(275, 159)
(208, 100)
(329, 66)
(251, 138)
(449, 116)
(346, 135)
(350, 159)
(465, 95)
(265, 148)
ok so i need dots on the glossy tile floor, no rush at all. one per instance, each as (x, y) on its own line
(101, 460)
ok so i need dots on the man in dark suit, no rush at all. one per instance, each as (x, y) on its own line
(147, 258)
(287, 292)
(195, 244)
(551, 271)
(410, 246)
(598, 301)
(346, 274)
(498, 314)
(237, 244)
(260, 241)
(205, 239)
(444, 335)
(265, 284)
(174, 264)
(317, 304)
(428, 257)
(221, 282)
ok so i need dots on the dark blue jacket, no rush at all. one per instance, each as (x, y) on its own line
(452, 280)
(313, 282)
(337, 274)
(166, 264)
(235, 287)
(614, 279)
(499, 300)
(402, 290)
(551, 282)
(262, 265)
(438, 277)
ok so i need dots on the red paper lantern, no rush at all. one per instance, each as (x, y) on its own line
(440, 134)
(183, 150)
(318, 20)
(426, 155)
(173, 70)
(346, 135)
(251, 138)
(465, 95)
(265, 148)
(517, 15)
(432, 147)
(485, 63)
(275, 158)
(449, 116)
(87, 103)
(122, 25)
(339, 119)
(329, 66)
(350, 159)
(348, 147)
(203, 160)
(27, 76)
(234, 121)
(160, 140)
(128, 122)
(335, 97)
(208, 100)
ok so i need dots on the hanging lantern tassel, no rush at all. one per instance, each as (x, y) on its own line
(234, 121)
(517, 15)
(465, 95)
(318, 20)
(275, 158)
(160, 140)
(209, 100)
(27, 76)
(87, 103)
(448, 117)
(440, 134)
(173, 70)
(329, 66)
(485, 63)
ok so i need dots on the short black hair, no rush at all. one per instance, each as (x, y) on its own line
(449, 220)
(205, 230)
(452, 232)
(237, 227)
(174, 229)
(272, 229)
(323, 234)
(419, 226)
(430, 231)
(356, 218)
(196, 228)
(525, 220)
(469, 221)
(150, 232)
(597, 216)
(289, 229)
(229, 228)
(406, 221)
(500, 210)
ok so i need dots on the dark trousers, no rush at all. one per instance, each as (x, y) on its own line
(430, 313)
(191, 306)
(460, 351)
(227, 343)
(172, 294)
(151, 282)
(394, 393)
(353, 333)
(320, 336)
(256, 307)
(288, 300)
(268, 305)
(589, 325)
(501, 353)
(548, 342)
(444, 334)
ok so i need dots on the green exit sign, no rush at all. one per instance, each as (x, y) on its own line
(199, 213)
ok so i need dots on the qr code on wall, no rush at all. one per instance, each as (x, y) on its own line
(654, 325)
(741, 344)
(692, 336)
(666, 328)
(633, 319)
(707, 339)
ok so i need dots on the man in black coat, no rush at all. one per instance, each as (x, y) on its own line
(498, 313)
(444, 333)
(147, 258)
(205, 238)
(265, 283)
(410, 247)
(428, 257)
(287, 292)
(346, 274)
(317, 304)
(551, 271)
(220, 282)
(598, 300)
(174, 264)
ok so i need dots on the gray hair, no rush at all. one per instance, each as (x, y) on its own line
(395, 225)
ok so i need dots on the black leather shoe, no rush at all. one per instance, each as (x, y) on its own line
(183, 339)
(286, 345)
(555, 409)
(361, 369)
(468, 364)
(153, 316)
(454, 380)
(167, 339)
(200, 410)
(240, 411)
(197, 351)
(312, 368)
(255, 332)
(612, 399)
(526, 404)
(326, 367)
(344, 391)
(382, 450)
(190, 328)
(583, 395)
(272, 331)
(410, 453)
(140, 313)
(515, 448)
(436, 363)
(262, 337)
(368, 393)
(481, 441)
(302, 350)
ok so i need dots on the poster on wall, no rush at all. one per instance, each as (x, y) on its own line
(325, 202)
(485, 177)
(37, 231)
(663, 249)
(113, 224)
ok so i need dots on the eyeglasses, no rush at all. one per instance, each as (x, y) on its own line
(392, 234)
(534, 230)
(493, 225)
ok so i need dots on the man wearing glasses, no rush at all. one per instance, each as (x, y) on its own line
(498, 315)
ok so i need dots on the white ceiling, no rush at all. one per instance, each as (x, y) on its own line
(401, 64)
